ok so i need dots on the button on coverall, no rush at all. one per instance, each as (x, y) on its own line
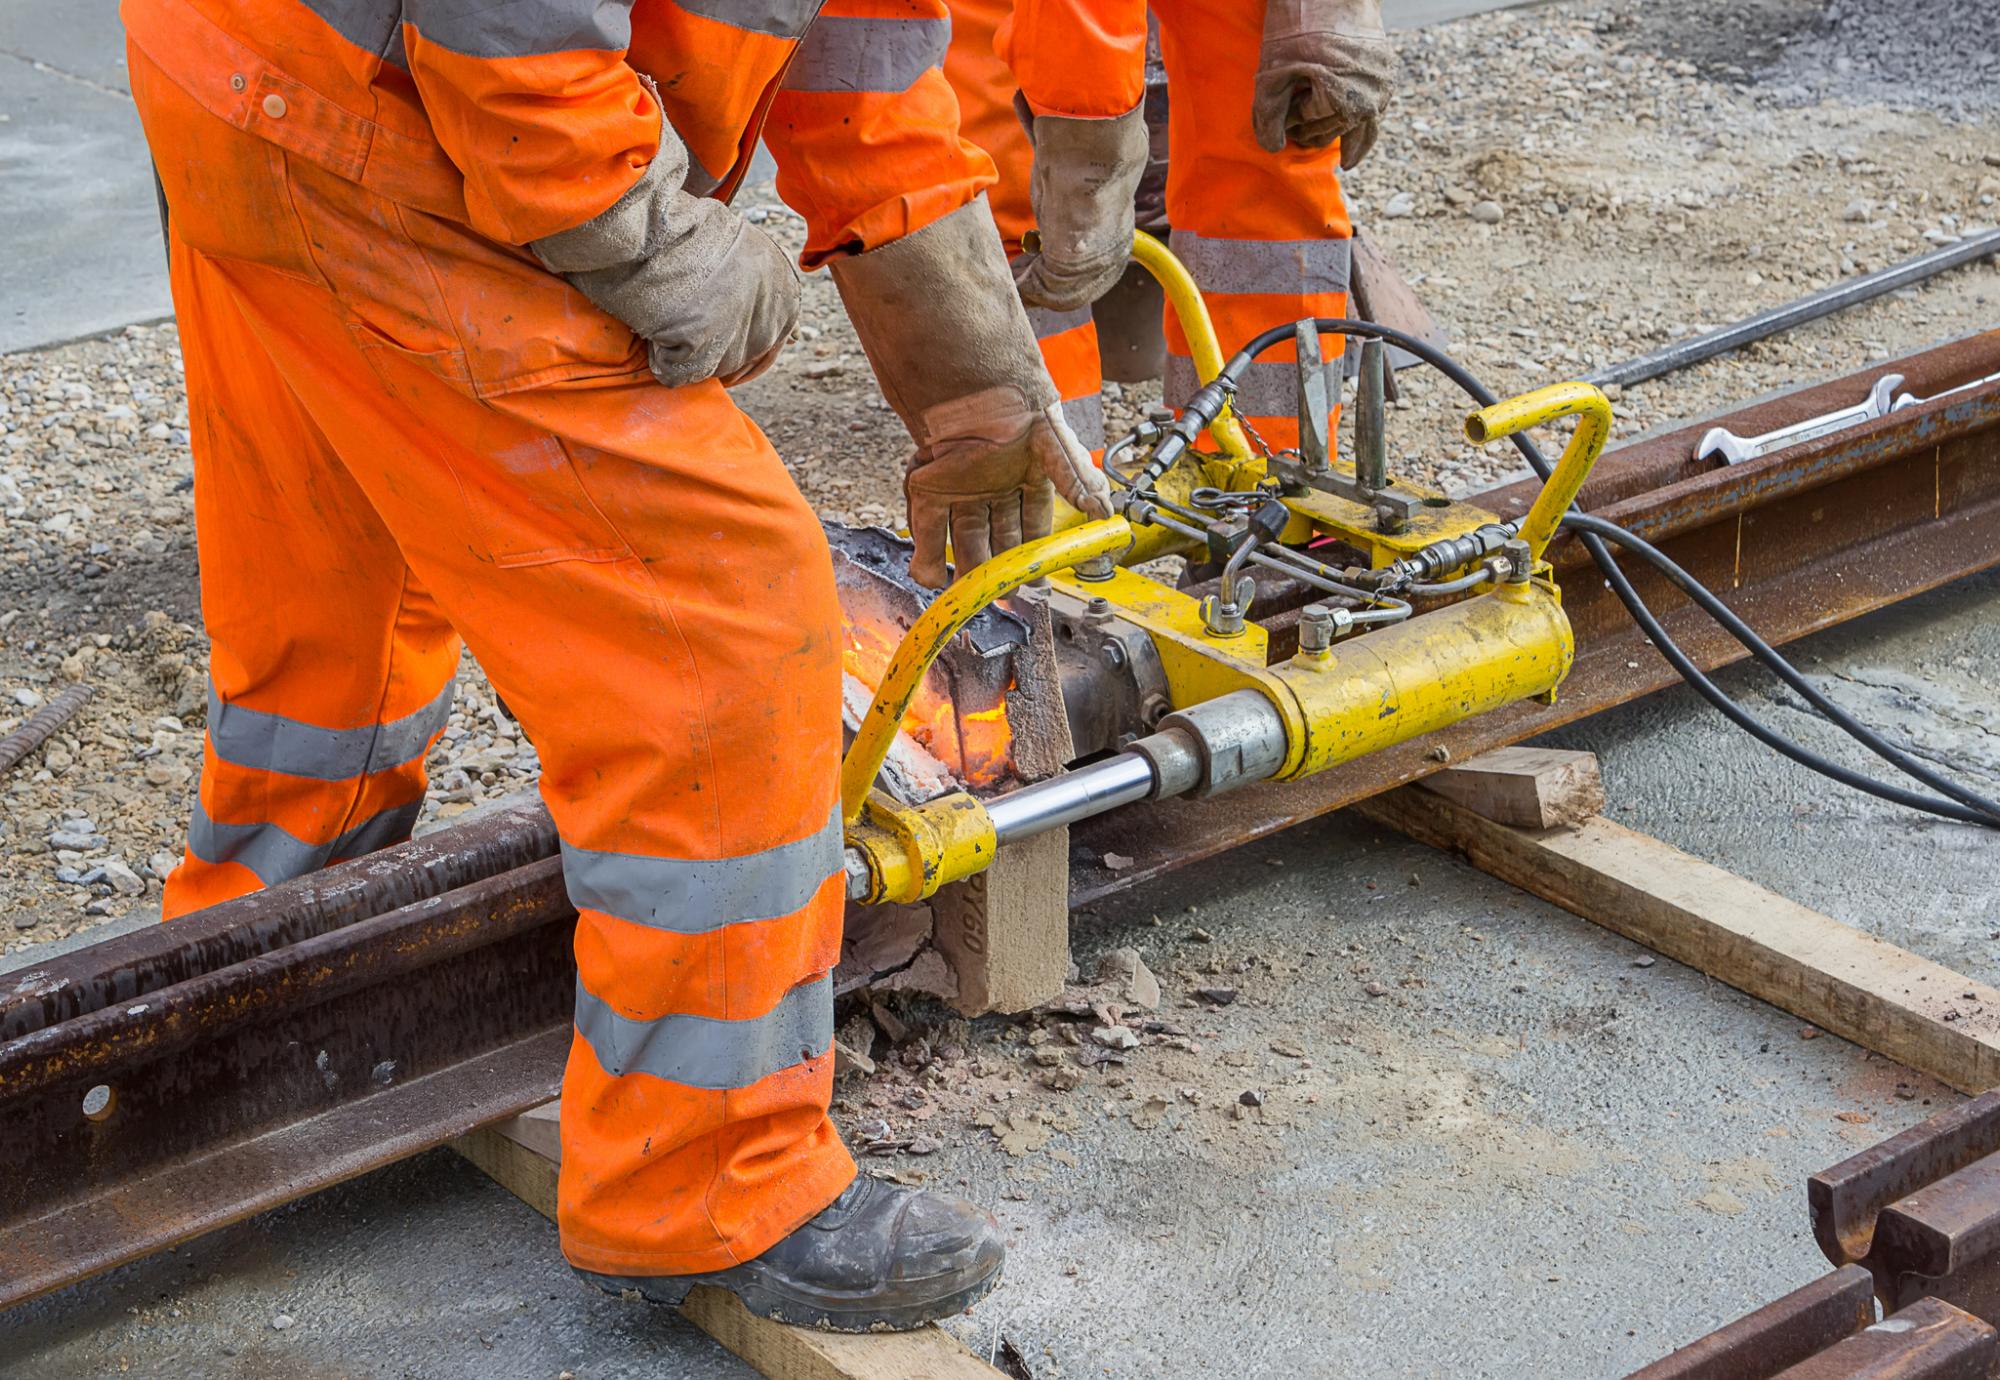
(406, 432)
(1264, 234)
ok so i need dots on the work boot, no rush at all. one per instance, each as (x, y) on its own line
(879, 1258)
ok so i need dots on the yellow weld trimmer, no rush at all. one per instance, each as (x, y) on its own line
(1329, 609)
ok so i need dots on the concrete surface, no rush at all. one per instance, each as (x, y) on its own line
(78, 219)
(1532, 1157)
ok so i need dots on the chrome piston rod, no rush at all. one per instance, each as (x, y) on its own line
(1209, 748)
(1091, 790)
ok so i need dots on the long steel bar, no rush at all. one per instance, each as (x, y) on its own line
(143, 1123)
(1851, 293)
(133, 965)
(158, 1085)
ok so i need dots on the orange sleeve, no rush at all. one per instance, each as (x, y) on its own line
(865, 128)
(537, 107)
(1085, 59)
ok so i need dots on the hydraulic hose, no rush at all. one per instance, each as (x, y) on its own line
(1978, 810)
(1783, 669)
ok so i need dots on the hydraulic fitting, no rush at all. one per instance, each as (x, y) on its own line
(1319, 626)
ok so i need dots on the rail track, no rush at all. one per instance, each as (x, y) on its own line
(159, 1085)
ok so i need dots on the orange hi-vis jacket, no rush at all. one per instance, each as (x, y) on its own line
(529, 118)
(1085, 59)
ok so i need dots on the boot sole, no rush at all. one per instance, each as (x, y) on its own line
(820, 1313)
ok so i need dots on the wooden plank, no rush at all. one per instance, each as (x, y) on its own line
(1527, 787)
(1841, 979)
(1005, 931)
(516, 1155)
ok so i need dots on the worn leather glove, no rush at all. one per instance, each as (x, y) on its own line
(951, 346)
(1327, 72)
(1086, 175)
(711, 294)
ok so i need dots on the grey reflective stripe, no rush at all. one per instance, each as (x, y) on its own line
(1086, 418)
(782, 18)
(276, 855)
(843, 54)
(1278, 266)
(374, 26)
(1050, 323)
(702, 1052)
(1271, 388)
(272, 742)
(698, 896)
(522, 28)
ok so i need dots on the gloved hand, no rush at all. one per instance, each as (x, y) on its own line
(951, 346)
(990, 478)
(1086, 174)
(1327, 71)
(711, 294)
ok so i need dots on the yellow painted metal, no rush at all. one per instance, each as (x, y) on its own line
(912, 850)
(1592, 411)
(1192, 312)
(1394, 684)
(942, 621)
(1199, 665)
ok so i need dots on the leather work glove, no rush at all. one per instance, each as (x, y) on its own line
(951, 346)
(1327, 71)
(1086, 174)
(711, 294)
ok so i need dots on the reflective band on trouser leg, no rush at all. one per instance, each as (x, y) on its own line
(330, 668)
(855, 53)
(1069, 349)
(1265, 235)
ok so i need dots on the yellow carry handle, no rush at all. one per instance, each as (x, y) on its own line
(1582, 401)
(1186, 300)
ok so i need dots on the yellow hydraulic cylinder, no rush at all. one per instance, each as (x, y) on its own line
(1454, 663)
(912, 850)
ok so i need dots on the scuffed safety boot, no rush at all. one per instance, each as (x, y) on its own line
(879, 1258)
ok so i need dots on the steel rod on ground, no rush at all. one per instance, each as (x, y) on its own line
(41, 725)
(1778, 320)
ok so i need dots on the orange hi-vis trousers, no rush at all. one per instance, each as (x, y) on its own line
(1265, 235)
(406, 434)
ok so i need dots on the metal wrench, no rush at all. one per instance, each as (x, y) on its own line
(1734, 449)
(1881, 401)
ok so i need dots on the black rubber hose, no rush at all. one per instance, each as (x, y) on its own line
(1783, 669)
(1683, 665)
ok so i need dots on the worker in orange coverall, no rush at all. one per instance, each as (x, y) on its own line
(1267, 103)
(458, 313)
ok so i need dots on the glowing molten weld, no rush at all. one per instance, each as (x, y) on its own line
(976, 745)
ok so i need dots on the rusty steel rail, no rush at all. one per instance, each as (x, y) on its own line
(167, 1082)
(1913, 1222)
(1795, 541)
(1921, 1211)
